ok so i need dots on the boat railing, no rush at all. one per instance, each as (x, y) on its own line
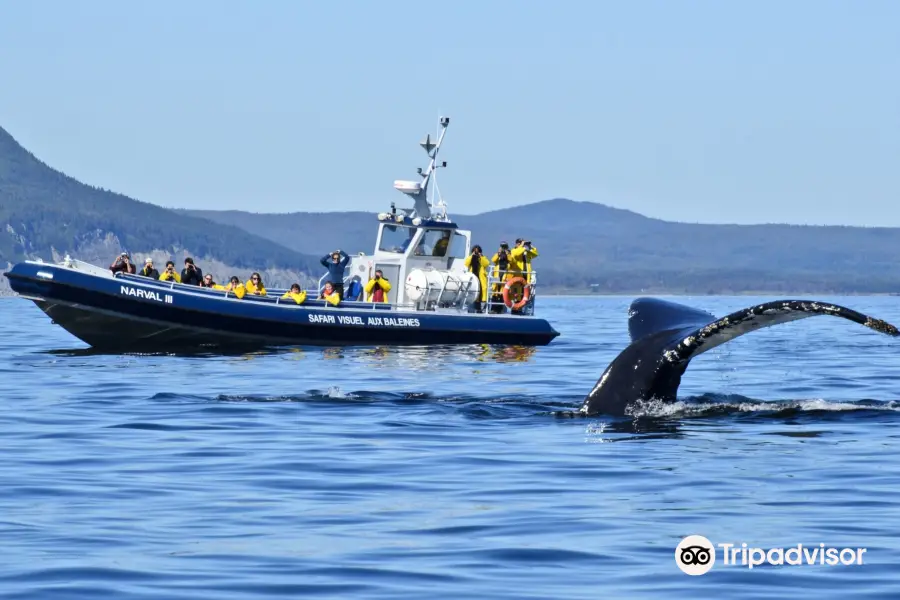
(498, 280)
(321, 284)
(274, 297)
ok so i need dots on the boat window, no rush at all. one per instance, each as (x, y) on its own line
(396, 238)
(434, 242)
(458, 246)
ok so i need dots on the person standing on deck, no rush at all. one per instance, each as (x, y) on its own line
(377, 288)
(521, 255)
(336, 262)
(502, 265)
(478, 265)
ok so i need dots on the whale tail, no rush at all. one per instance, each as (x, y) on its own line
(665, 336)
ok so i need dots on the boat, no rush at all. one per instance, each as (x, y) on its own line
(419, 246)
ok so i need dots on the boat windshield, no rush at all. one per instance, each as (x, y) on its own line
(434, 243)
(396, 238)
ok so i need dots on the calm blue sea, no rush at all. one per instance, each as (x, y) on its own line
(445, 472)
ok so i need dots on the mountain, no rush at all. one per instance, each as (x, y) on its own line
(45, 213)
(314, 233)
(584, 245)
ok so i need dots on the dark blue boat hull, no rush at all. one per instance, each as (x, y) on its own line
(132, 313)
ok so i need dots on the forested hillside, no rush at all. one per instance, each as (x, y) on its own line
(43, 211)
(583, 244)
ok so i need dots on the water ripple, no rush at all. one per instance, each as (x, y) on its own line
(444, 472)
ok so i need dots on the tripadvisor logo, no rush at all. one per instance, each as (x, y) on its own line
(696, 555)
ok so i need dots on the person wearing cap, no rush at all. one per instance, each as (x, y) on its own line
(191, 274)
(123, 264)
(170, 274)
(336, 262)
(521, 256)
(148, 270)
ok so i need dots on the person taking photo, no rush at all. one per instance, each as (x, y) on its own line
(377, 287)
(478, 265)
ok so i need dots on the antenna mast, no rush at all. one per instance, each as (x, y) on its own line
(419, 191)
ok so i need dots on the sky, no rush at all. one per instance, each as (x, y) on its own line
(705, 112)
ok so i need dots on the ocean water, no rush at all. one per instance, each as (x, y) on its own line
(447, 472)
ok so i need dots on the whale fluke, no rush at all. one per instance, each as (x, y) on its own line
(665, 336)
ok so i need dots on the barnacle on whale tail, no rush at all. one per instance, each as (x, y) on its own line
(882, 326)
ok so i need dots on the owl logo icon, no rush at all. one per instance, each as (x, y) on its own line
(695, 555)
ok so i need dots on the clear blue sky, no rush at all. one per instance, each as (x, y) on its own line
(688, 111)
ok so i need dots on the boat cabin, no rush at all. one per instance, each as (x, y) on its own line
(419, 250)
(402, 247)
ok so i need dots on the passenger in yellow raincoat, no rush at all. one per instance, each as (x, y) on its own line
(521, 255)
(377, 288)
(295, 294)
(234, 285)
(502, 262)
(255, 285)
(478, 265)
(502, 267)
(170, 274)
